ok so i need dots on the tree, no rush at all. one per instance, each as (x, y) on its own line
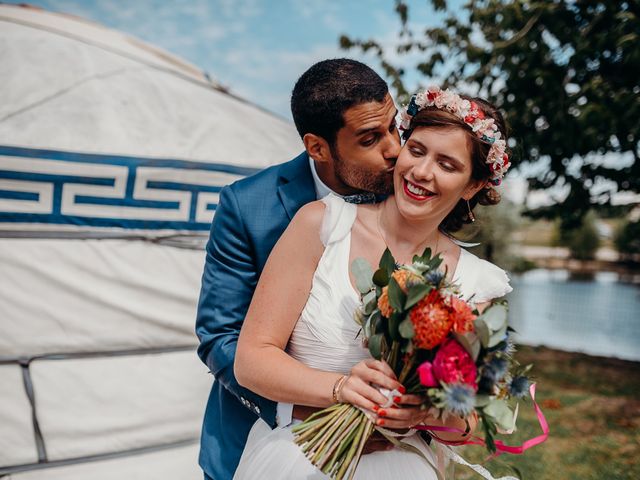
(565, 74)
(628, 240)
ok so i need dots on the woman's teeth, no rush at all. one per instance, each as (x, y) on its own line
(417, 190)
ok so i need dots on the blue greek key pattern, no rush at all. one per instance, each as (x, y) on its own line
(89, 190)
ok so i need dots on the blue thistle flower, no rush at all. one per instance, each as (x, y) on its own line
(496, 369)
(459, 399)
(519, 386)
(435, 276)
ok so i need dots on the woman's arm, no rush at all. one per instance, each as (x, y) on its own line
(261, 364)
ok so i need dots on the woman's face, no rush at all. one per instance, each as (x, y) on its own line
(433, 173)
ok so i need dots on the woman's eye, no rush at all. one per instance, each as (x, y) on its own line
(416, 152)
(447, 166)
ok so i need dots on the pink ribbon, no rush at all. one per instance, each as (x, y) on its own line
(500, 446)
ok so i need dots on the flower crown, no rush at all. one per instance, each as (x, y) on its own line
(484, 127)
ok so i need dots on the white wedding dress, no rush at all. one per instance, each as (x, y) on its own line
(326, 338)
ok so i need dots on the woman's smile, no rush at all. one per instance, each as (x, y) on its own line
(417, 192)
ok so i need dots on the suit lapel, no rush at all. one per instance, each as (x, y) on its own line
(296, 185)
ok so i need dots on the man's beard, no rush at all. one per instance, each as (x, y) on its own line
(380, 183)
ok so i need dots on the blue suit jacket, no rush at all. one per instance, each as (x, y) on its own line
(250, 217)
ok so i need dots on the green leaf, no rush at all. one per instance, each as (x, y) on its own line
(397, 297)
(406, 329)
(470, 342)
(483, 331)
(426, 255)
(370, 302)
(381, 277)
(495, 317)
(500, 413)
(482, 400)
(416, 293)
(363, 274)
(496, 337)
(394, 327)
(376, 344)
(388, 262)
(435, 263)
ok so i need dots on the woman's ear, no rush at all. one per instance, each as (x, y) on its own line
(317, 148)
(474, 187)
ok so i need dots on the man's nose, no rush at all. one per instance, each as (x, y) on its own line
(393, 146)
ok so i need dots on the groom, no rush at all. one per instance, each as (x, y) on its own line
(346, 118)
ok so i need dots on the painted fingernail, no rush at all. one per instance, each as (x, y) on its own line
(376, 408)
(380, 421)
(397, 399)
(382, 413)
(402, 390)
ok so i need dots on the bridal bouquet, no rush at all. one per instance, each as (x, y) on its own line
(461, 361)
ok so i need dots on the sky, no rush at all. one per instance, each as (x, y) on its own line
(256, 48)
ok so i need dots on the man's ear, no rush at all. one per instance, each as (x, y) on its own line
(474, 187)
(317, 148)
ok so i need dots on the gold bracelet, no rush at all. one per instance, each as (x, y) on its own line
(337, 387)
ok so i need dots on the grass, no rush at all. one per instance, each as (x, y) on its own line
(592, 405)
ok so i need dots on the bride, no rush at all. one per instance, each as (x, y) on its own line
(299, 342)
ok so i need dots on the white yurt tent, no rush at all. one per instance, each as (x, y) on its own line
(112, 154)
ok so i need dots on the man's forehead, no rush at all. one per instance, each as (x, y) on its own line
(370, 114)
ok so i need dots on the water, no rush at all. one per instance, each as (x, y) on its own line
(600, 316)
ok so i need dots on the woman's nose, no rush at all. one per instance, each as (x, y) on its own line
(423, 170)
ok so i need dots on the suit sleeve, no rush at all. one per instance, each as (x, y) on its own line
(228, 282)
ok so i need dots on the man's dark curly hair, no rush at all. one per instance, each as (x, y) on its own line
(326, 90)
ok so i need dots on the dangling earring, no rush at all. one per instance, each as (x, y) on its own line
(471, 217)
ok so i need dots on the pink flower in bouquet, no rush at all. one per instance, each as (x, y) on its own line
(425, 372)
(462, 315)
(453, 364)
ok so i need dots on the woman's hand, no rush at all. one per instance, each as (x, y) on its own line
(359, 390)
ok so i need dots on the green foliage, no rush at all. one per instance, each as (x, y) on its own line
(363, 274)
(563, 72)
(628, 239)
(583, 242)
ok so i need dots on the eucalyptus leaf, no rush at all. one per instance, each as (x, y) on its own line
(416, 293)
(470, 342)
(500, 413)
(388, 262)
(496, 337)
(482, 400)
(363, 274)
(406, 329)
(397, 297)
(483, 331)
(375, 345)
(371, 324)
(495, 317)
(370, 302)
(381, 277)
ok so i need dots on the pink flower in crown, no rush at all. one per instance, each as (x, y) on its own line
(453, 364)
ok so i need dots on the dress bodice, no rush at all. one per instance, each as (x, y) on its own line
(326, 336)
